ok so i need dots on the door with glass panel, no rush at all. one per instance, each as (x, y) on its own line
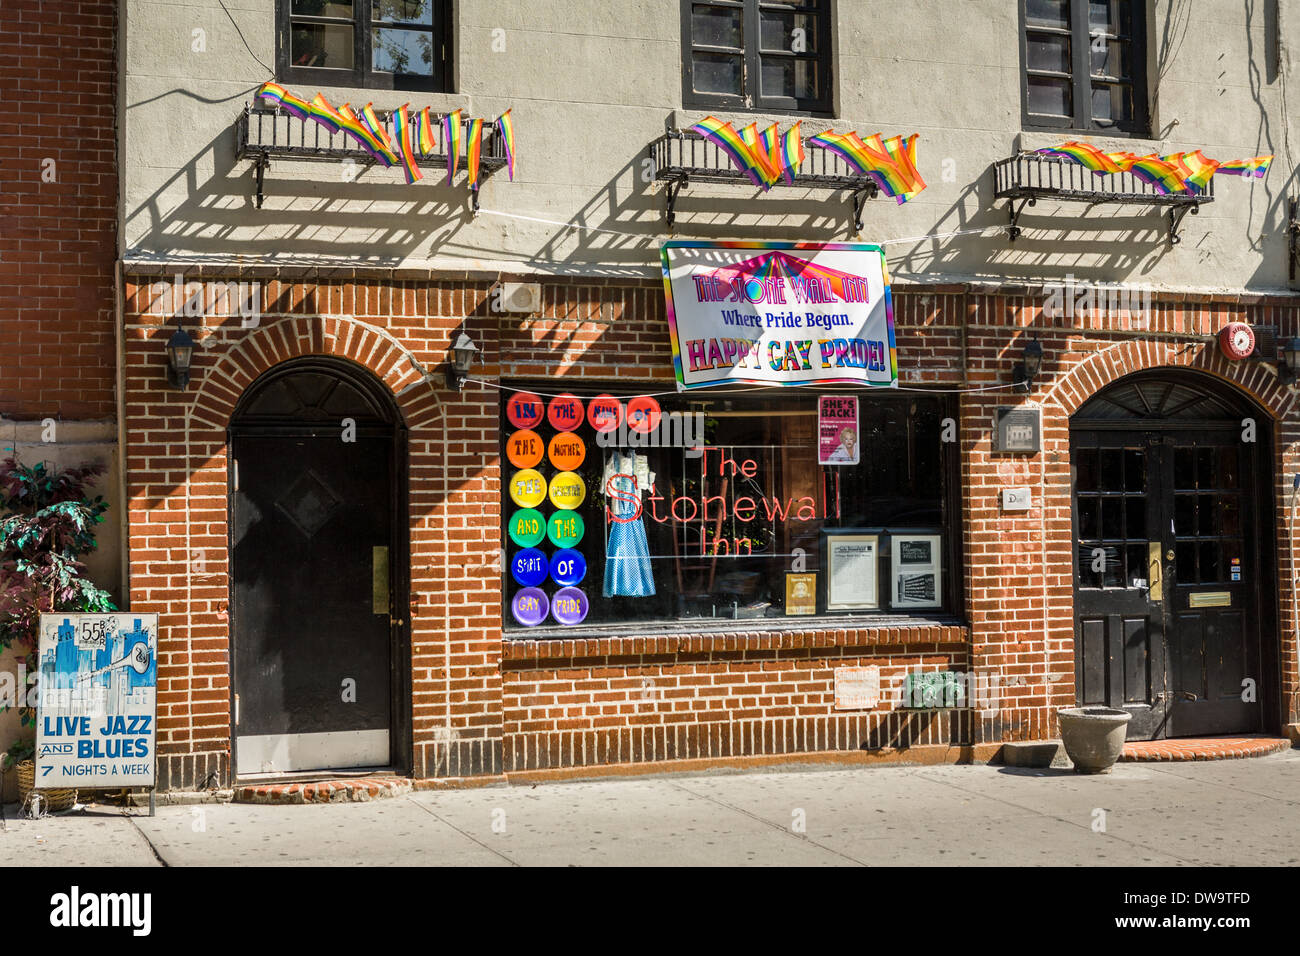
(1167, 576)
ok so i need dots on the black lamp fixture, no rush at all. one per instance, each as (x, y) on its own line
(1030, 364)
(462, 355)
(180, 355)
(1288, 366)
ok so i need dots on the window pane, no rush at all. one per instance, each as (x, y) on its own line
(322, 8)
(320, 45)
(787, 76)
(1112, 518)
(792, 32)
(1135, 470)
(408, 52)
(1051, 13)
(403, 11)
(1050, 96)
(1088, 524)
(1112, 102)
(1049, 51)
(1135, 521)
(1110, 57)
(716, 26)
(715, 73)
(1109, 16)
(1112, 469)
(1085, 475)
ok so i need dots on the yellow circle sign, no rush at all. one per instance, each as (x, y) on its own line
(567, 491)
(527, 488)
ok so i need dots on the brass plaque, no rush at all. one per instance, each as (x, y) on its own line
(1157, 588)
(1210, 599)
(379, 580)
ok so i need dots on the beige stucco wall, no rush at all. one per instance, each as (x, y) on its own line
(592, 83)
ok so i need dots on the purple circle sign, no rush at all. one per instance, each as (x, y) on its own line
(569, 606)
(530, 606)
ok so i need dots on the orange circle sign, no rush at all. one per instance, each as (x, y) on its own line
(566, 451)
(524, 448)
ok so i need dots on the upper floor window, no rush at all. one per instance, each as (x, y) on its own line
(757, 55)
(1085, 65)
(384, 44)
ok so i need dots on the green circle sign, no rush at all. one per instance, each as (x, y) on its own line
(527, 527)
(565, 529)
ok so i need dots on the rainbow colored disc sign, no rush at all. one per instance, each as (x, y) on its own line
(567, 490)
(565, 529)
(565, 412)
(643, 414)
(525, 448)
(525, 410)
(527, 527)
(527, 488)
(569, 606)
(604, 413)
(530, 606)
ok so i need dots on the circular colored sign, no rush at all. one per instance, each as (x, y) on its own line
(524, 448)
(643, 414)
(566, 451)
(529, 567)
(530, 606)
(567, 490)
(565, 529)
(569, 606)
(524, 409)
(527, 527)
(568, 567)
(565, 412)
(527, 488)
(604, 412)
(1237, 340)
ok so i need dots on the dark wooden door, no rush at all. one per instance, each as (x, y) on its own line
(311, 580)
(1167, 616)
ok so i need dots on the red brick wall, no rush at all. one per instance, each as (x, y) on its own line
(58, 214)
(484, 705)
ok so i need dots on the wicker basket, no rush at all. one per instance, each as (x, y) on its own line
(55, 799)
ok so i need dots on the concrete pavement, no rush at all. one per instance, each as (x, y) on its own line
(1232, 812)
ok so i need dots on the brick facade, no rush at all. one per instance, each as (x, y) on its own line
(482, 704)
(58, 209)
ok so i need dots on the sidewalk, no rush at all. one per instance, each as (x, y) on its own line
(1228, 812)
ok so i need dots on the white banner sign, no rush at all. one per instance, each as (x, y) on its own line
(98, 700)
(779, 313)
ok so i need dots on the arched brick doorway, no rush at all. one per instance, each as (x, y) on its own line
(320, 647)
(1175, 597)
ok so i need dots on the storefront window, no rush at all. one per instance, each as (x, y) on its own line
(622, 509)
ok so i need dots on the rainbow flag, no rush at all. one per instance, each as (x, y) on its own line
(360, 132)
(422, 131)
(277, 94)
(474, 151)
(760, 147)
(792, 153)
(320, 110)
(1256, 166)
(891, 164)
(732, 143)
(507, 127)
(404, 134)
(1195, 169)
(451, 137)
(379, 131)
(903, 153)
(1160, 175)
(1085, 154)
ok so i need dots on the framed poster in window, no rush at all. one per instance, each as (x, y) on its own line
(851, 559)
(917, 570)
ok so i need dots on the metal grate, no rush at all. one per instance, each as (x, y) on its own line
(1032, 176)
(263, 132)
(684, 156)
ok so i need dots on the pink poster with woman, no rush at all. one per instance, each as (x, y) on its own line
(837, 430)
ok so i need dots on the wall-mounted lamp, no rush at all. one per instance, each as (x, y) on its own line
(1030, 364)
(1288, 366)
(462, 355)
(180, 355)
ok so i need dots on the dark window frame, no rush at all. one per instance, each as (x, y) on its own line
(362, 76)
(1081, 120)
(753, 102)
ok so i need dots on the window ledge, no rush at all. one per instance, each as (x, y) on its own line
(734, 637)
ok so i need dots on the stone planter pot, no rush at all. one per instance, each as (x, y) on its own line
(1093, 736)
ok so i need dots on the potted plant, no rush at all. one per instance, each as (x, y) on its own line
(47, 523)
(1093, 736)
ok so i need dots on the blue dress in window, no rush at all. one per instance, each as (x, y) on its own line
(627, 553)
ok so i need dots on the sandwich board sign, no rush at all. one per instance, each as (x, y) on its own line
(97, 709)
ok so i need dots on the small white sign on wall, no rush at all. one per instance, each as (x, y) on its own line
(857, 688)
(1017, 499)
